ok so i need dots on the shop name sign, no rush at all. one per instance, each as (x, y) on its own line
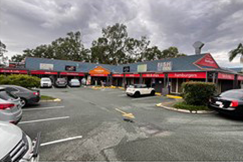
(153, 75)
(14, 71)
(199, 75)
(164, 66)
(240, 77)
(46, 66)
(226, 76)
(142, 68)
(208, 61)
(126, 69)
(117, 75)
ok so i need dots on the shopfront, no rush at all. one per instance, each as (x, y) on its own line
(117, 79)
(99, 76)
(225, 81)
(177, 78)
(72, 75)
(154, 80)
(41, 73)
(132, 79)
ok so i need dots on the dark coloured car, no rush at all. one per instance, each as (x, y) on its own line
(61, 82)
(230, 102)
(27, 96)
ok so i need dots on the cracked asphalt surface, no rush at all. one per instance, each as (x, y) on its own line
(156, 134)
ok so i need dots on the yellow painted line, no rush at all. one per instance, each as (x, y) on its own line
(172, 96)
(125, 114)
(158, 94)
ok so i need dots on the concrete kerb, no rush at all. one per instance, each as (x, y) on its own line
(183, 110)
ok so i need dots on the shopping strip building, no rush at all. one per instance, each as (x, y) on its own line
(159, 73)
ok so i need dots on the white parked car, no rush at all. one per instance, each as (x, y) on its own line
(139, 89)
(16, 146)
(74, 83)
(46, 82)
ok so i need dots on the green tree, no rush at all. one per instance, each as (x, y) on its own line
(115, 47)
(67, 48)
(3, 59)
(17, 58)
(238, 51)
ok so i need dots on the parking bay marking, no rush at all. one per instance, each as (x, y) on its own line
(44, 108)
(43, 120)
(61, 140)
(125, 114)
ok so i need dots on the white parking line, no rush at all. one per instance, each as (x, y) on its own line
(61, 140)
(43, 108)
(43, 120)
(143, 98)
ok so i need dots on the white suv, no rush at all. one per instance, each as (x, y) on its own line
(46, 82)
(16, 146)
(139, 89)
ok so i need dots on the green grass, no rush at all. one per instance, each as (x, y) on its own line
(183, 105)
(47, 97)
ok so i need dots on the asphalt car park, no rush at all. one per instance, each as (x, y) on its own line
(88, 125)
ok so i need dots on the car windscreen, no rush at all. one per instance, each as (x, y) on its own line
(45, 80)
(232, 95)
(74, 80)
(6, 95)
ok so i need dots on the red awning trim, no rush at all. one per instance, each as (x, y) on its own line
(14, 71)
(132, 75)
(43, 72)
(153, 75)
(118, 75)
(240, 77)
(226, 76)
(72, 73)
(99, 75)
(197, 75)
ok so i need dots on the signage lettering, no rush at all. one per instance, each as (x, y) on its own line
(226, 76)
(199, 75)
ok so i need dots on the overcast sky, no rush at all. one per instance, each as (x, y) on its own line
(217, 23)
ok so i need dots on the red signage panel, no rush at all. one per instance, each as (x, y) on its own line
(14, 71)
(226, 76)
(240, 77)
(99, 75)
(40, 72)
(197, 75)
(153, 75)
(72, 73)
(132, 75)
(117, 75)
(208, 61)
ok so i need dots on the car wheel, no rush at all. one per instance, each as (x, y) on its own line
(152, 93)
(137, 94)
(23, 102)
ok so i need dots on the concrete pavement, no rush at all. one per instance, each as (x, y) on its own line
(156, 134)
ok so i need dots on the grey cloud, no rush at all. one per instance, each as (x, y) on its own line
(29, 23)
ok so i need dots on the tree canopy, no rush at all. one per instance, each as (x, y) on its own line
(3, 50)
(113, 47)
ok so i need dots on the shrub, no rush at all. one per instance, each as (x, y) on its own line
(198, 93)
(184, 105)
(21, 80)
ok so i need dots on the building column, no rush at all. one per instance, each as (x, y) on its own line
(140, 79)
